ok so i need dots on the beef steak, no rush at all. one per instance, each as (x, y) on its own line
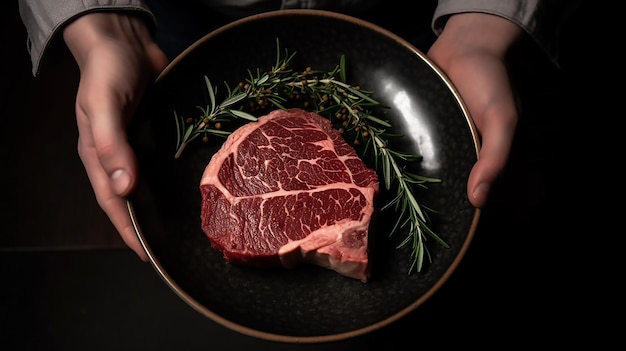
(288, 189)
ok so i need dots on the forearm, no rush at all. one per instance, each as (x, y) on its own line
(44, 19)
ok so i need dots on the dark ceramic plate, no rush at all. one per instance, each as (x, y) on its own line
(309, 303)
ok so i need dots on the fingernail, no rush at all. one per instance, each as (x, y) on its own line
(481, 191)
(121, 181)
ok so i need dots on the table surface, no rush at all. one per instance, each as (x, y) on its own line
(69, 283)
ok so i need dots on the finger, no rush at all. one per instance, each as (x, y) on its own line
(497, 138)
(115, 155)
(106, 109)
(112, 204)
(487, 92)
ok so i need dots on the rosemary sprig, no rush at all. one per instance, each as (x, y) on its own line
(349, 108)
(213, 114)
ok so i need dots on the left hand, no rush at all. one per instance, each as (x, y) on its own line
(471, 51)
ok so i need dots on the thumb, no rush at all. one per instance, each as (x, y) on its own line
(497, 139)
(120, 165)
(116, 156)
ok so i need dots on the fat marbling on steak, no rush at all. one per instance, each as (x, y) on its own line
(288, 189)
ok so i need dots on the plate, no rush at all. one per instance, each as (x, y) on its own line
(308, 303)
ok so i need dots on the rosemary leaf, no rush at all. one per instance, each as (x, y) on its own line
(243, 115)
(233, 100)
(211, 94)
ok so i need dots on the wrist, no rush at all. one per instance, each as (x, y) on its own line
(481, 31)
(93, 29)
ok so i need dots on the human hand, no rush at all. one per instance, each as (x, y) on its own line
(117, 59)
(471, 51)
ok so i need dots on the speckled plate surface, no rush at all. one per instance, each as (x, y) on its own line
(306, 304)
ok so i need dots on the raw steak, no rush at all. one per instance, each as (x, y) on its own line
(288, 189)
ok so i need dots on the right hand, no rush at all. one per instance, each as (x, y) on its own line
(118, 59)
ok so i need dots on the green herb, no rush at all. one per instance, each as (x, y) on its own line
(210, 120)
(349, 108)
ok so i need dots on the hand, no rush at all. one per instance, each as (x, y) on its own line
(117, 59)
(471, 51)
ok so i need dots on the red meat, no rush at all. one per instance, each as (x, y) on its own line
(288, 189)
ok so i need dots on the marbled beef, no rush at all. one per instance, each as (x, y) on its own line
(288, 189)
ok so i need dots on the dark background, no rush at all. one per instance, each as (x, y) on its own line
(68, 282)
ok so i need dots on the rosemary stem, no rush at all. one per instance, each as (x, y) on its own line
(180, 150)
